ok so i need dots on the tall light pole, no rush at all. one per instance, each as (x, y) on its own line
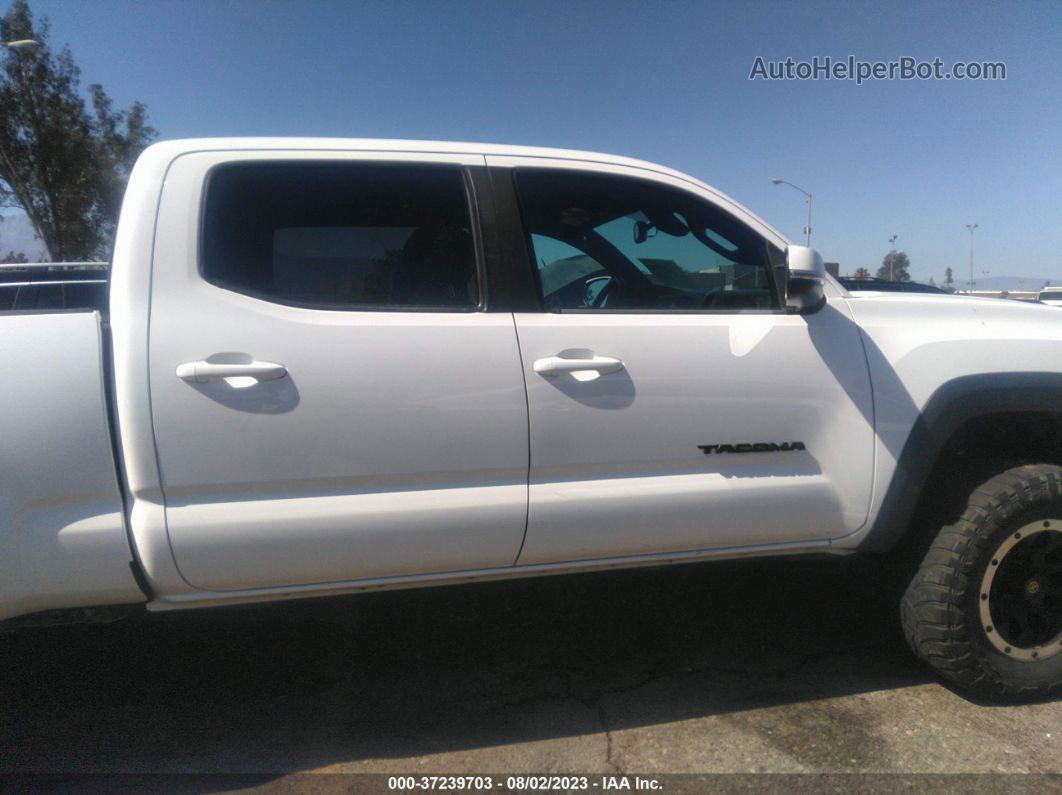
(892, 258)
(20, 47)
(807, 226)
(971, 228)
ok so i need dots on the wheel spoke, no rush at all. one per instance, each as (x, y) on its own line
(1037, 623)
(1010, 626)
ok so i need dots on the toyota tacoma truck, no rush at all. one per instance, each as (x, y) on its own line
(328, 366)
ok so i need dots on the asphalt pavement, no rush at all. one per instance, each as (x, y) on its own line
(753, 666)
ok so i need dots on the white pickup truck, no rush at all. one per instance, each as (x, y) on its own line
(336, 365)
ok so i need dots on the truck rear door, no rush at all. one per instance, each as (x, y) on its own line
(331, 401)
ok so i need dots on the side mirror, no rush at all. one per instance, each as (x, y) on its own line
(804, 287)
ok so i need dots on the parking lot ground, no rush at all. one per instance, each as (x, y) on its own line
(751, 666)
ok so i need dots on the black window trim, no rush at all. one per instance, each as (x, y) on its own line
(521, 293)
(473, 206)
(776, 289)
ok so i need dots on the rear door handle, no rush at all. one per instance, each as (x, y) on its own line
(555, 365)
(201, 372)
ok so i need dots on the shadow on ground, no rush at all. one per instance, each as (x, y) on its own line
(405, 674)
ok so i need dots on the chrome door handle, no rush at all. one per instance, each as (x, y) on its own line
(555, 365)
(202, 372)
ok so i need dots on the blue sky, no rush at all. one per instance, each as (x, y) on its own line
(663, 80)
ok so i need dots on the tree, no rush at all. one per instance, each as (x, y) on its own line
(949, 282)
(64, 166)
(932, 282)
(861, 273)
(895, 266)
(13, 258)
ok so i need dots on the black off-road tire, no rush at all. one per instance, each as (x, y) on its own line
(947, 613)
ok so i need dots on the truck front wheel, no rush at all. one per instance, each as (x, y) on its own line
(985, 608)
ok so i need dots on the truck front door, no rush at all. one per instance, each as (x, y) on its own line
(674, 405)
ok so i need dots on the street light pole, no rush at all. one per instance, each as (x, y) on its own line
(807, 226)
(971, 228)
(892, 258)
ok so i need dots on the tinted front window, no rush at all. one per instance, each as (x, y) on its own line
(602, 242)
(338, 235)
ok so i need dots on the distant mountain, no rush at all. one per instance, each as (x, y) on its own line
(1020, 283)
(16, 234)
(1027, 283)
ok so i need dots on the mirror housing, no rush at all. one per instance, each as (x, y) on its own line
(804, 286)
(804, 261)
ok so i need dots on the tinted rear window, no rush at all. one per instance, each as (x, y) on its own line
(341, 235)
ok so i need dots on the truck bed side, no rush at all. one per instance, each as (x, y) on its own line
(63, 541)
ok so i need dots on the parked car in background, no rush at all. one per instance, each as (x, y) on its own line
(1052, 296)
(887, 286)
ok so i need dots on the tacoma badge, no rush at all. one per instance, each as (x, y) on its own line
(753, 447)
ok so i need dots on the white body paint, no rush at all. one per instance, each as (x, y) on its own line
(414, 448)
